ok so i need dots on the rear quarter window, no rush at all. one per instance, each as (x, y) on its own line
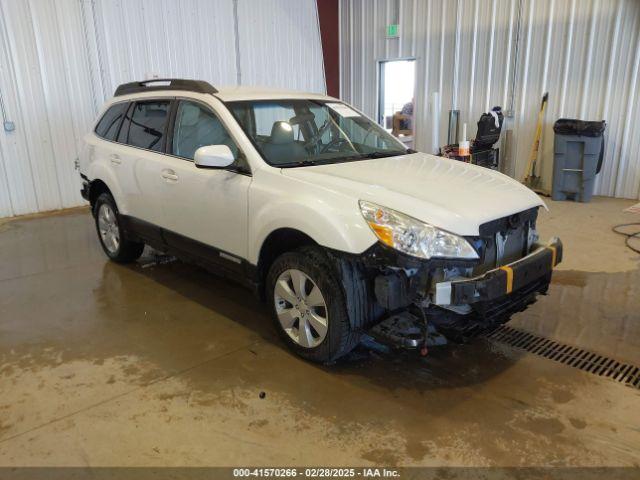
(108, 125)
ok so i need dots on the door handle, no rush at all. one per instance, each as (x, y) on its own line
(115, 159)
(169, 175)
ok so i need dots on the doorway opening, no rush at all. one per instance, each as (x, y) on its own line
(396, 98)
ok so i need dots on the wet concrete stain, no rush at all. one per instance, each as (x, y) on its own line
(562, 396)
(570, 278)
(193, 352)
(544, 426)
(597, 311)
(382, 456)
(263, 422)
(4, 427)
(577, 423)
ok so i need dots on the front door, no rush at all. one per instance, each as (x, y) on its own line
(203, 208)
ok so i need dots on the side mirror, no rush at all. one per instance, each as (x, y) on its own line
(213, 156)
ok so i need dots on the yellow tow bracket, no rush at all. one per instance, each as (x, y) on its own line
(509, 271)
(553, 255)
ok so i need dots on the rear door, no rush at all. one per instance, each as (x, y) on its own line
(139, 160)
(102, 149)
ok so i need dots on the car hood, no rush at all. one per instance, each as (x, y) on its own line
(449, 194)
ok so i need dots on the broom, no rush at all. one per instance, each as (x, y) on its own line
(530, 179)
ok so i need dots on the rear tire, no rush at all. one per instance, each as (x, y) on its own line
(112, 237)
(308, 305)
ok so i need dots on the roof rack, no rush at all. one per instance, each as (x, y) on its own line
(198, 86)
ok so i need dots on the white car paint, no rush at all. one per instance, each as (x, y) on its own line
(207, 205)
(449, 194)
(236, 213)
(330, 217)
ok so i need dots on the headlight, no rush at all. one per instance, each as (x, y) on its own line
(412, 236)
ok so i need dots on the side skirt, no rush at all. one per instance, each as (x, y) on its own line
(189, 250)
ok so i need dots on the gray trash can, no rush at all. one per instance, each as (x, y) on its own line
(578, 155)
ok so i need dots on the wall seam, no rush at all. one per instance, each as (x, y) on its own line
(236, 32)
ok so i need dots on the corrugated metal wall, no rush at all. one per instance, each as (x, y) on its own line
(585, 53)
(60, 59)
(280, 44)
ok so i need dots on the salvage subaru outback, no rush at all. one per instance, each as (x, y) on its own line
(317, 209)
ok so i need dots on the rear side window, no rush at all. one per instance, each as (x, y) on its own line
(146, 128)
(108, 125)
(124, 130)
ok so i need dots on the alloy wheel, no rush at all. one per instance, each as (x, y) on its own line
(301, 308)
(108, 228)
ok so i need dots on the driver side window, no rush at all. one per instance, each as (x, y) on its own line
(195, 127)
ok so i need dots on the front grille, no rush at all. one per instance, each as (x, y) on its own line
(514, 245)
(505, 240)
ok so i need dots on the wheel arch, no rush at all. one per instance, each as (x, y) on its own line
(103, 179)
(279, 241)
(97, 188)
(332, 227)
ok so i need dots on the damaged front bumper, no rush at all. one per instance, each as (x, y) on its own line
(502, 281)
(445, 294)
(461, 298)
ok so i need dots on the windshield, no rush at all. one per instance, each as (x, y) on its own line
(292, 133)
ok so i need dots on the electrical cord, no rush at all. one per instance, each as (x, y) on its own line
(629, 235)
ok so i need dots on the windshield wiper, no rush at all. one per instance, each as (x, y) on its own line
(364, 156)
(381, 154)
(301, 163)
(358, 156)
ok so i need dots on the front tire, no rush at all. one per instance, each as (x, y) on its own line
(112, 237)
(308, 305)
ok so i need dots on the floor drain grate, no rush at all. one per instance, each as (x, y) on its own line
(569, 355)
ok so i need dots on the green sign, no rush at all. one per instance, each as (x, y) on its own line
(393, 30)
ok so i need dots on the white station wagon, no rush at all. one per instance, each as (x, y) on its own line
(316, 208)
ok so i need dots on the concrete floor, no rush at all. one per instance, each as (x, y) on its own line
(163, 365)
